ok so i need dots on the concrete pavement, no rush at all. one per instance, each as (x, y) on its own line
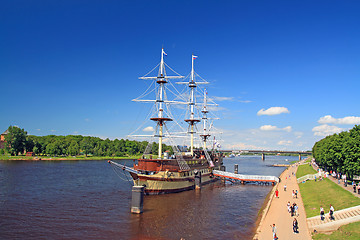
(276, 211)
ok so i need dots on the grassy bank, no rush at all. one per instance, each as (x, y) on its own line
(305, 169)
(323, 193)
(349, 232)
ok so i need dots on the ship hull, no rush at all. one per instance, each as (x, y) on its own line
(172, 182)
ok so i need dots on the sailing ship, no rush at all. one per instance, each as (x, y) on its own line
(177, 171)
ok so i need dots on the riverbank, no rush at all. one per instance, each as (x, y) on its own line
(77, 158)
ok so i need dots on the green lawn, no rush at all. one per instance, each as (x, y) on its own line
(349, 232)
(323, 193)
(305, 169)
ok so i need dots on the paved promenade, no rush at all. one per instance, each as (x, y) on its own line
(277, 212)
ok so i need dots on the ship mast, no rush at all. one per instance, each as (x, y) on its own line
(192, 121)
(161, 118)
(204, 111)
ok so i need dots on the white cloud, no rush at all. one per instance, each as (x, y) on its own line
(242, 146)
(148, 129)
(325, 130)
(275, 128)
(219, 99)
(252, 138)
(298, 134)
(87, 119)
(285, 143)
(273, 111)
(346, 120)
(52, 130)
(268, 128)
(287, 129)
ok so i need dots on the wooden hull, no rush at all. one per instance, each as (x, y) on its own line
(171, 182)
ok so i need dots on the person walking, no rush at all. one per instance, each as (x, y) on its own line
(295, 226)
(288, 206)
(285, 188)
(331, 212)
(277, 193)
(296, 208)
(322, 213)
(354, 187)
(273, 230)
(296, 193)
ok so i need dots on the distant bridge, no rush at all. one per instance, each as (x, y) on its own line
(263, 152)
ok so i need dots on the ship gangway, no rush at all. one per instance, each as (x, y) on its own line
(234, 177)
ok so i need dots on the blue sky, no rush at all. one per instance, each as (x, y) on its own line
(285, 73)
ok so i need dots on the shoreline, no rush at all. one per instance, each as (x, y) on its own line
(265, 207)
(67, 159)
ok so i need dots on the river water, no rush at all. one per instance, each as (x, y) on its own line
(88, 200)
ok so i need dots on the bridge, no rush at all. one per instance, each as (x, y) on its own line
(263, 152)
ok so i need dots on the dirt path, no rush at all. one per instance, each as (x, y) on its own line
(278, 213)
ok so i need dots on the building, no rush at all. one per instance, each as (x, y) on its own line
(30, 154)
(2, 139)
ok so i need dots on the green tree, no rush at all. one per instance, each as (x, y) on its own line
(340, 152)
(73, 148)
(29, 144)
(15, 140)
(86, 145)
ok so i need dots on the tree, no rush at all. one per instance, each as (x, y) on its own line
(29, 144)
(86, 145)
(340, 152)
(73, 149)
(15, 140)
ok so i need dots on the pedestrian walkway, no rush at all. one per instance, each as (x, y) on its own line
(276, 211)
(342, 217)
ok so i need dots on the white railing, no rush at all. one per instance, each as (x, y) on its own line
(246, 177)
(310, 177)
